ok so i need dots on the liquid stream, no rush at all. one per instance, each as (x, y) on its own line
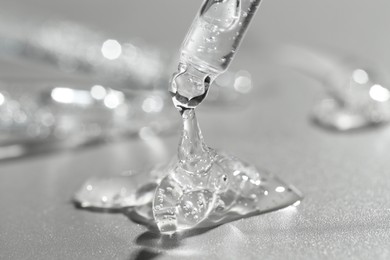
(202, 187)
(206, 187)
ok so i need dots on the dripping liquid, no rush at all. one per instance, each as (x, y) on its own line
(202, 187)
(206, 187)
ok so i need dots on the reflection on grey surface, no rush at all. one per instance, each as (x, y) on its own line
(345, 177)
(359, 95)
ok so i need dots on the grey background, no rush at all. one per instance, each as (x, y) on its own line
(345, 177)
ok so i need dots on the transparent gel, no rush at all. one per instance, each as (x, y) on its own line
(206, 187)
(201, 187)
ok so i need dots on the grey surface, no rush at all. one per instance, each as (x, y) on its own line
(345, 177)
